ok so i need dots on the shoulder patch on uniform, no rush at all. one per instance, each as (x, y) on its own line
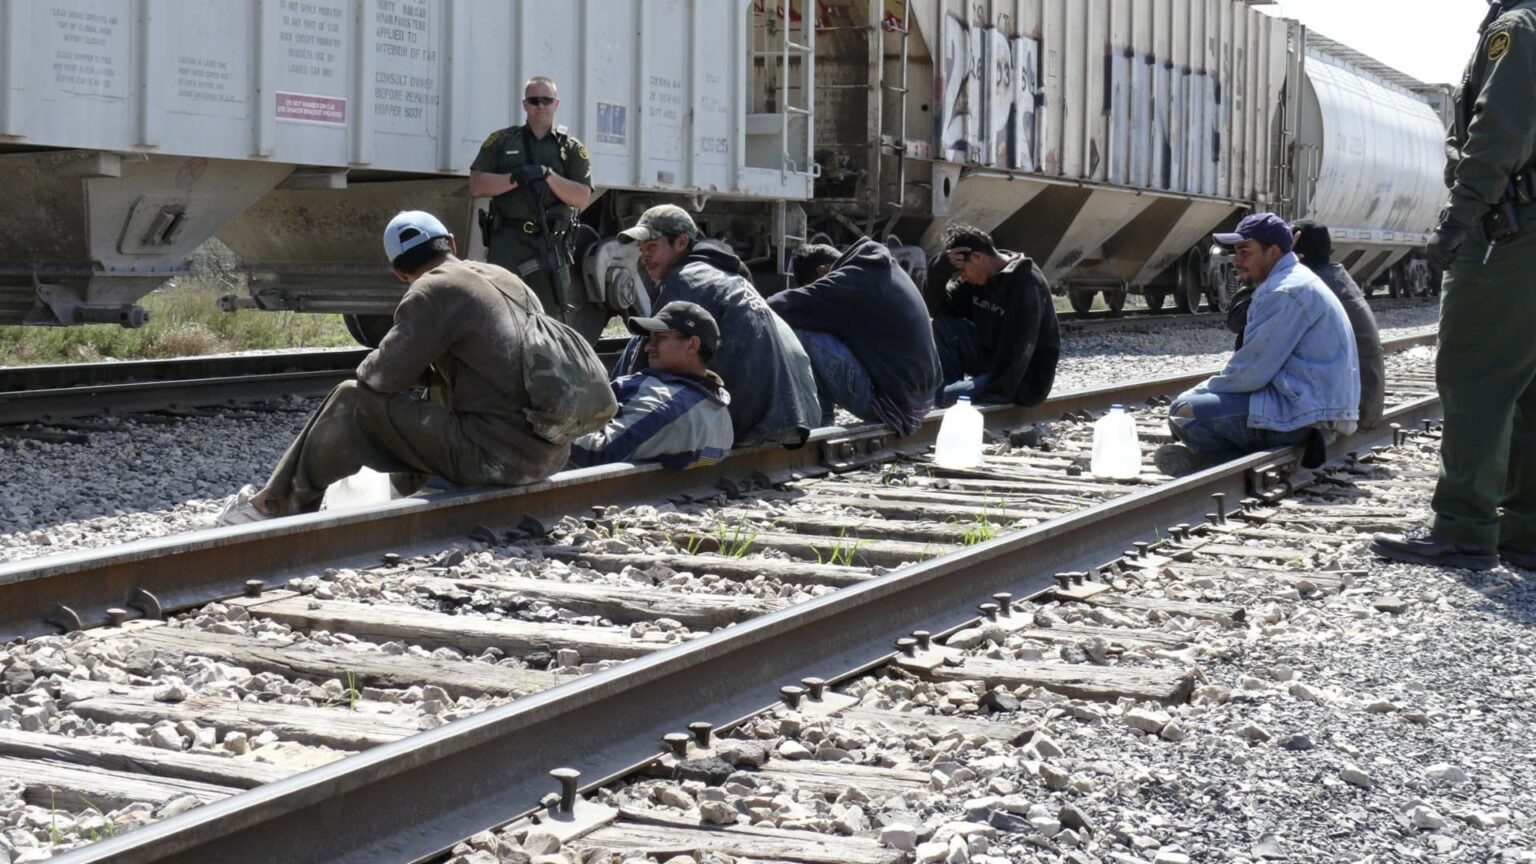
(1498, 45)
(491, 140)
(581, 150)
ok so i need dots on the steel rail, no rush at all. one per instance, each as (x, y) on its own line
(420, 795)
(75, 589)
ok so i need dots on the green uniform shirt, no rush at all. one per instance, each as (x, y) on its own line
(507, 149)
(1493, 136)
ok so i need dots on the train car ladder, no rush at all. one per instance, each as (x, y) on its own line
(876, 201)
(786, 51)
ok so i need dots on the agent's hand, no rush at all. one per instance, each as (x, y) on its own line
(1442, 247)
(522, 175)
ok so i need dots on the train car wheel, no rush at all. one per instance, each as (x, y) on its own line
(1081, 300)
(368, 330)
(1188, 293)
(1154, 299)
(1114, 298)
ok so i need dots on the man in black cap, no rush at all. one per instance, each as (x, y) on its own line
(1294, 377)
(676, 411)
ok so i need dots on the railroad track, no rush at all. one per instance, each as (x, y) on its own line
(1068, 522)
(59, 393)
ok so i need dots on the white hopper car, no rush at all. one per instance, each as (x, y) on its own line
(1107, 138)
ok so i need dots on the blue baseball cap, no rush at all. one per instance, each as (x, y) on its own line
(409, 229)
(1267, 228)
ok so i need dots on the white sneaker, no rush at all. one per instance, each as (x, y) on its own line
(239, 510)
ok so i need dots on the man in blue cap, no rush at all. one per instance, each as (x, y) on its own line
(1295, 380)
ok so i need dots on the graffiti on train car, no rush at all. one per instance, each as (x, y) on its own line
(993, 111)
(989, 87)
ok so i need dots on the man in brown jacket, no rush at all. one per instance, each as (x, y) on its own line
(457, 331)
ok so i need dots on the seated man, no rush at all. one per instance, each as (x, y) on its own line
(457, 326)
(773, 394)
(1294, 380)
(1314, 248)
(674, 412)
(1006, 337)
(867, 332)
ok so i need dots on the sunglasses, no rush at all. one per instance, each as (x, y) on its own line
(539, 100)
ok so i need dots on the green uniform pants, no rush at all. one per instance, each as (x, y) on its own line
(507, 250)
(410, 438)
(1486, 375)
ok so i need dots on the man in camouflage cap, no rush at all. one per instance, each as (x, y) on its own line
(773, 394)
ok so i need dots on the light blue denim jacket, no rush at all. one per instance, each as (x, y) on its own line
(1298, 361)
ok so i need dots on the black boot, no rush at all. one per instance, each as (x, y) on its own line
(1522, 557)
(1434, 550)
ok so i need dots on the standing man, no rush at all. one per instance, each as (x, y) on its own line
(538, 179)
(1008, 339)
(1485, 502)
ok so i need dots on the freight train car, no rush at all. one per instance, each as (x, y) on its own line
(1106, 138)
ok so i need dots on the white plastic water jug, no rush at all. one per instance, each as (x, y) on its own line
(1116, 452)
(367, 486)
(959, 442)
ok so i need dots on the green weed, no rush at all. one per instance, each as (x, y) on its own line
(842, 552)
(734, 542)
(352, 694)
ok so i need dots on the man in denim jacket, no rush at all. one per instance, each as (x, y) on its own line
(1297, 371)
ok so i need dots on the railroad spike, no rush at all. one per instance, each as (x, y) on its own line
(907, 646)
(701, 730)
(1143, 548)
(1004, 602)
(815, 687)
(924, 639)
(677, 742)
(568, 778)
(254, 587)
(1221, 505)
(1064, 580)
(116, 616)
(791, 694)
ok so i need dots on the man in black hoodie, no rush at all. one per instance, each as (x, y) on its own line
(864, 325)
(1006, 337)
(773, 393)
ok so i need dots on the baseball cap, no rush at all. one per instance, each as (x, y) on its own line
(659, 220)
(409, 229)
(1267, 228)
(689, 319)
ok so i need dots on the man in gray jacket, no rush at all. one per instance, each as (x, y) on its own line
(457, 331)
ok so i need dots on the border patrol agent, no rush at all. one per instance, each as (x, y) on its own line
(519, 168)
(1486, 367)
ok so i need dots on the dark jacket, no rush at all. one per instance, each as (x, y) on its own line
(1493, 134)
(773, 394)
(1373, 374)
(1016, 320)
(870, 304)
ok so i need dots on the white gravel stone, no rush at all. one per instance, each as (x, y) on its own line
(899, 835)
(1445, 773)
(1352, 775)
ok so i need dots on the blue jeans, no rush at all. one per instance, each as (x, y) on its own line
(960, 355)
(841, 379)
(1219, 429)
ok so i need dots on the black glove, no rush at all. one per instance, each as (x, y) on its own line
(1442, 247)
(522, 175)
